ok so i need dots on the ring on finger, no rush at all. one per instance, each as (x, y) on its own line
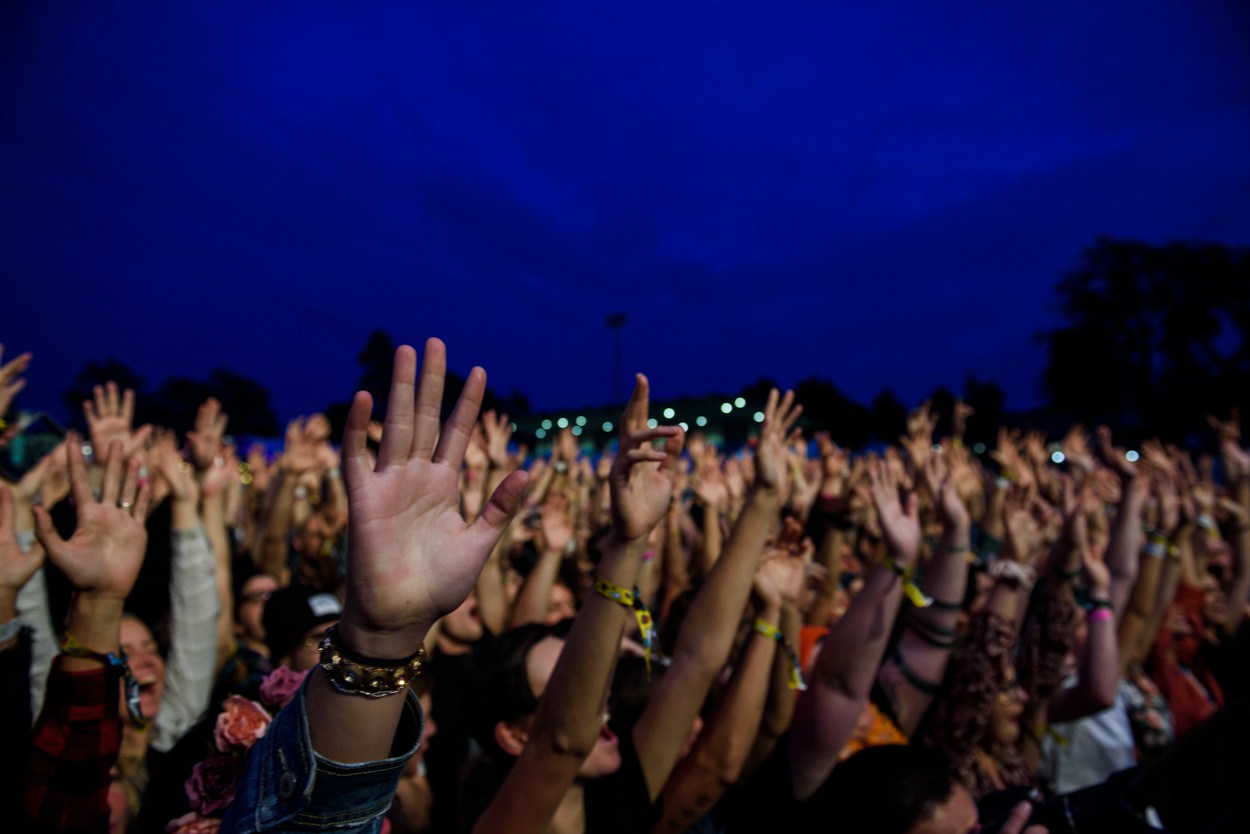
(126, 505)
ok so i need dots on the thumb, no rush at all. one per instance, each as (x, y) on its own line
(500, 509)
(46, 533)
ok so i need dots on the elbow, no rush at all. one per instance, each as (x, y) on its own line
(572, 744)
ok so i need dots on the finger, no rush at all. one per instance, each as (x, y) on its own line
(1019, 816)
(128, 405)
(646, 453)
(111, 399)
(499, 510)
(45, 532)
(430, 398)
(455, 435)
(143, 500)
(770, 407)
(88, 410)
(8, 512)
(356, 467)
(645, 435)
(397, 430)
(635, 415)
(672, 452)
(130, 485)
(78, 485)
(112, 475)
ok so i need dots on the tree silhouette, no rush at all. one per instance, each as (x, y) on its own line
(1156, 336)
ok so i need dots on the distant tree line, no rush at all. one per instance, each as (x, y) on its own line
(1154, 338)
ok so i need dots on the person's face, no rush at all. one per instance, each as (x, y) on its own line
(560, 606)
(464, 625)
(146, 665)
(252, 601)
(958, 815)
(307, 653)
(605, 758)
(1008, 706)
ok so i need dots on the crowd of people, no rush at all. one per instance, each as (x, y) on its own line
(431, 630)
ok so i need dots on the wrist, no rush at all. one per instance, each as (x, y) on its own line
(8, 605)
(395, 644)
(95, 621)
(770, 611)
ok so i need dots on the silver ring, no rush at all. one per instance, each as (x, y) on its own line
(126, 505)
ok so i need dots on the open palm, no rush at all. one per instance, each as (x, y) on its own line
(412, 556)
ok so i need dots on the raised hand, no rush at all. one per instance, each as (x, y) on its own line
(556, 523)
(901, 525)
(498, 430)
(103, 556)
(1024, 538)
(205, 439)
(780, 415)
(11, 380)
(16, 567)
(301, 451)
(1114, 456)
(412, 558)
(780, 575)
(945, 496)
(221, 474)
(175, 471)
(642, 476)
(109, 420)
(1075, 447)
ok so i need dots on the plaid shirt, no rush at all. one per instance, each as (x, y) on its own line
(76, 741)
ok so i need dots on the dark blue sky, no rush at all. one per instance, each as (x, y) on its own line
(881, 195)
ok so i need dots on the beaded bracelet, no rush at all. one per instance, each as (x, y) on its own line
(355, 674)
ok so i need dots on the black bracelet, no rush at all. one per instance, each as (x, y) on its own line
(355, 657)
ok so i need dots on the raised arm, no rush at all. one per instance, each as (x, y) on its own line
(1126, 533)
(721, 750)
(706, 635)
(571, 707)
(916, 671)
(412, 559)
(78, 734)
(826, 714)
(556, 531)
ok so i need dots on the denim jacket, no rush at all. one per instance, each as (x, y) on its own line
(287, 787)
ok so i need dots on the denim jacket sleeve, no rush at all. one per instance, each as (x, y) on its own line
(287, 787)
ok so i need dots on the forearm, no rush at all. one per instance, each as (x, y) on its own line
(1240, 587)
(716, 761)
(492, 601)
(34, 612)
(276, 527)
(213, 511)
(531, 602)
(779, 708)
(712, 538)
(707, 633)
(570, 711)
(1125, 544)
(193, 636)
(1095, 689)
(925, 647)
(829, 556)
